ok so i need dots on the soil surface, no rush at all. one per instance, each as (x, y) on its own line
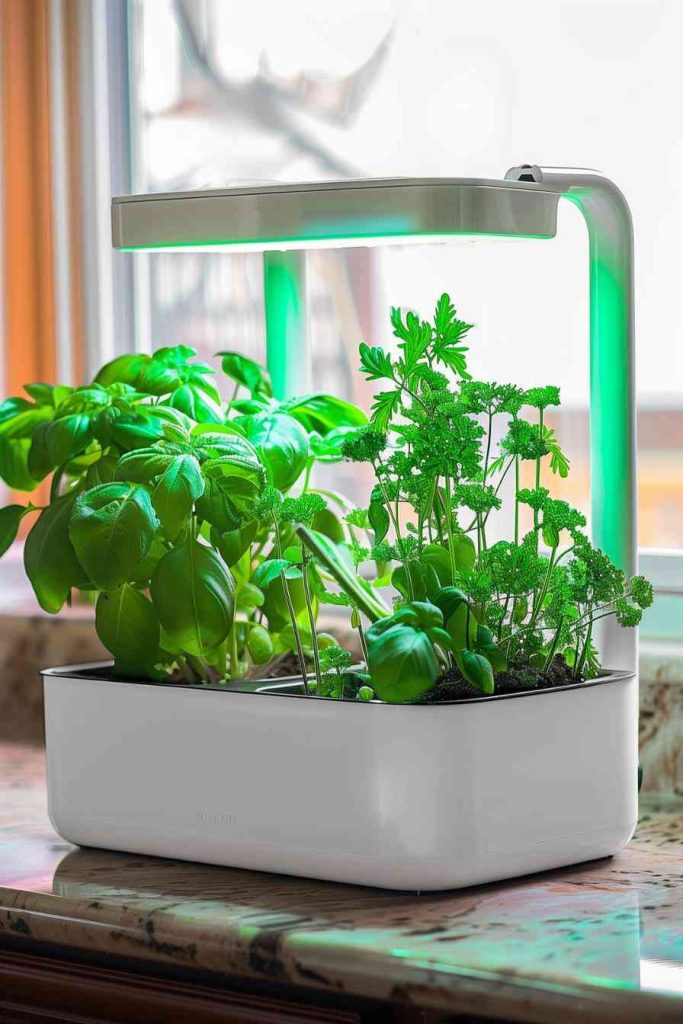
(281, 666)
(517, 679)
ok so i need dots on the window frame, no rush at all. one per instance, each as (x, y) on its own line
(108, 278)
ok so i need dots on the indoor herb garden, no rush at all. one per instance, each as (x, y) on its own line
(210, 551)
(459, 728)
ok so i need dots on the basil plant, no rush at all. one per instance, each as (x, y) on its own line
(178, 513)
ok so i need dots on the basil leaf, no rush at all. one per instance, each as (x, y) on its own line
(112, 528)
(136, 430)
(174, 355)
(327, 523)
(50, 560)
(465, 551)
(193, 594)
(259, 645)
(14, 463)
(19, 421)
(250, 406)
(328, 448)
(199, 376)
(143, 465)
(233, 543)
(19, 418)
(378, 518)
(226, 445)
(417, 587)
(92, 398)
(449, 599)
(66, 437)
(324, 413)
(196, 404)
(420, 614)
(248, 598)
(227, 466)
(246, 372)
(437, 556)
(157, 379)
(10, 518)
(175, 493)
(477, 670)
(102, 471)
(123, 369)
(128, 626)
(275, 607)
(225, 502)
(172, 421)
(282, 444)
(48, 394)
(39, 461)
(401, 662)
(461, 627)
(269, 571)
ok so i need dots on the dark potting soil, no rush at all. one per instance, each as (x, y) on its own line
(282, 666)
(517, 679)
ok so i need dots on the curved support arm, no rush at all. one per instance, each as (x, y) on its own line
(612, 393)
(287, 352)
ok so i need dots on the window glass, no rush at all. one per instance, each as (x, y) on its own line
(295, 92)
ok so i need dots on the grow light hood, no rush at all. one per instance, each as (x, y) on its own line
(363, 212)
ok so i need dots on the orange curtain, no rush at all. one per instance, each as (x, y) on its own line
(27, 213)
(27, 217)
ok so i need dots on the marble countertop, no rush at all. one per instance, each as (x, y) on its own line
(599, 942)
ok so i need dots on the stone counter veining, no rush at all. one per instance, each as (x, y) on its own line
(599, 942)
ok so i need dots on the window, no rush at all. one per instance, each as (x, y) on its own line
(428, 90)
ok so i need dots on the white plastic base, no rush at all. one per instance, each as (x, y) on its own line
(398, 796)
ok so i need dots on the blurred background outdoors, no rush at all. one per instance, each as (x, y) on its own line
(163, 95)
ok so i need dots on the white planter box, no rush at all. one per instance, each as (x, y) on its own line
(400, 796)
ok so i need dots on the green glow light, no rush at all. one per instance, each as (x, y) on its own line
(340, 241)
(612, 434)
(285, 307)
(611, 378)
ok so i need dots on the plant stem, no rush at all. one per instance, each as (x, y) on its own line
(297, 635)
(488, 447)
(232, 650)
(199, 667)
(449, 528)
(538, 469)
(56, 482)
(305, 561)
(522, 629)
(292, 612)
(516, 499)
(553, 647)
(578, 666)
(539, 598)
(393, 516)
(363, 641)
(437, 509)
(567, 551)
(369, 604)
(404, 387)
(593, 613)
(469, 528)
